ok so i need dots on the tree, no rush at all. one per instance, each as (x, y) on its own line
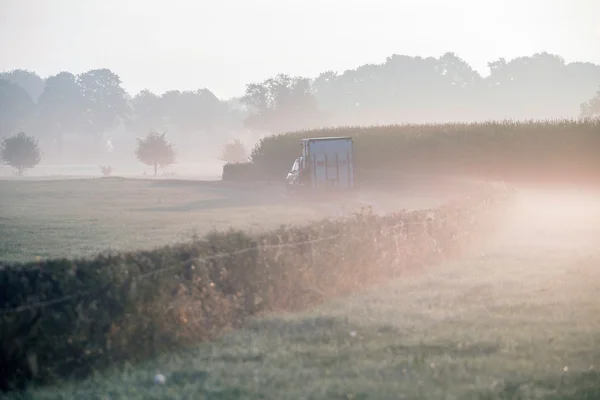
(105, 99)
(61, 109)
(591, 108)
(16, 107)
(28, 80)
(193, 112)
(459, 90)
(234, 152)
(20, 152)
(326, 91)
(536, 86)
(155, 151)
(281, 104)
(237, 113)
(61, 106)
(148, 113)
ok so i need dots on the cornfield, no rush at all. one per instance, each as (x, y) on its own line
(563, 149)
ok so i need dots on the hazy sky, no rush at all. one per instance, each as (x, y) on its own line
(224, 44)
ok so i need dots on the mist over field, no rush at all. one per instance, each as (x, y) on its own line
(89, 119)
(89, 106)
(162, 238)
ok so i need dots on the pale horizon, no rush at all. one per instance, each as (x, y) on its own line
(188, 45)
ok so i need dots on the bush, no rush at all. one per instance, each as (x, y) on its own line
(242, 172)
(20, 152)
(551, 150)
(106, 170)
(234, 152)
(67, 318)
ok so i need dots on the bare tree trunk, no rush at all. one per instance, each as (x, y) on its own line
(155, 168)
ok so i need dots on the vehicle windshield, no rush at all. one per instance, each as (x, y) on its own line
(296, 165)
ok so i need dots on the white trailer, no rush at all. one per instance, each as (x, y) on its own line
(326, 163)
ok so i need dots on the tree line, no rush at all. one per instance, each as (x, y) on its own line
(93, 109)
(22, 152)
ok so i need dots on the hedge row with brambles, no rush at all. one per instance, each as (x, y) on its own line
(68, 318)
(554, 150)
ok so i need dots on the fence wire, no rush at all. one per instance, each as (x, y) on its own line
(48, 303)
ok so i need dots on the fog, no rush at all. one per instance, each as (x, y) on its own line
(88, 79)
(186, 45)
(90, 118)
(499, 295)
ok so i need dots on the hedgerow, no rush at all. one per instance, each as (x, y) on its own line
(65, 319)
(241, 172)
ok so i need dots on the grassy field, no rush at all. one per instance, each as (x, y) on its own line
(518, 318)
(81, 217)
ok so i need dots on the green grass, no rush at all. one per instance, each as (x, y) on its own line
(136, 305)
(71, 218)
(81, 217)
(518, 318)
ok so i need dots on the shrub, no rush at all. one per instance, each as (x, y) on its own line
(234, 152)
(20, 152)
(106, 170)
(67, 318)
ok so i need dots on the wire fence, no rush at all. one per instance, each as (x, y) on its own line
(393, 228)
